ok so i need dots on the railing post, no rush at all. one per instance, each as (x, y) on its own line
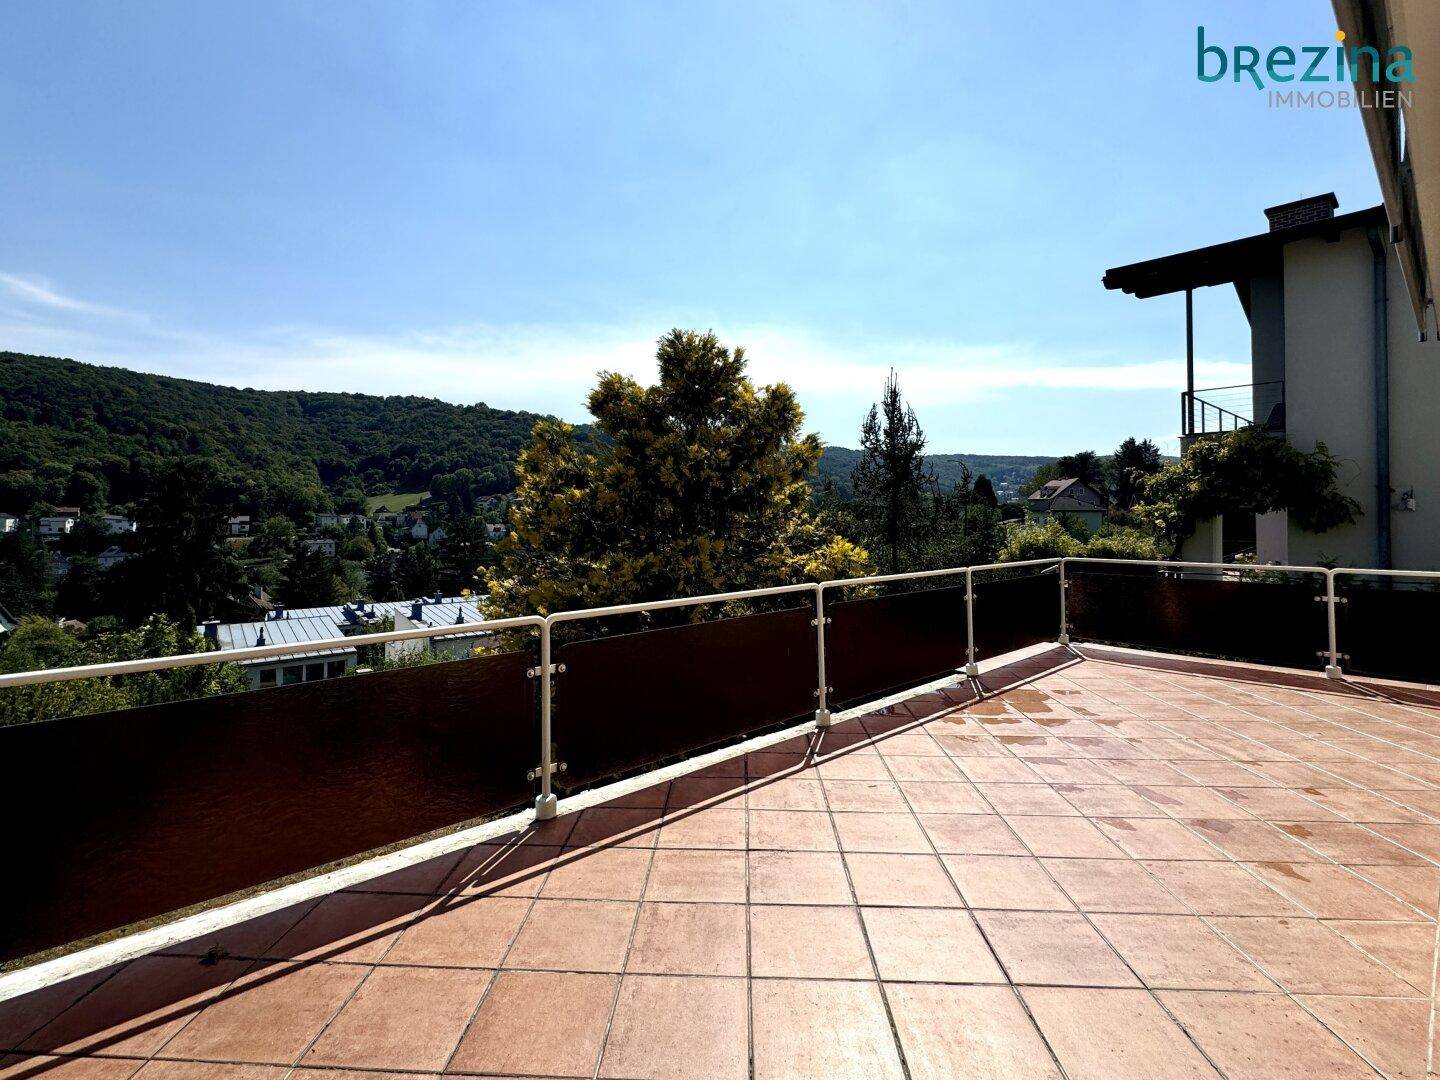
(971, 670)
(822, 690)
(1064, 637)
(1332, 670)
(545, 804)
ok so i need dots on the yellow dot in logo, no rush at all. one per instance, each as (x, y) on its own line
(1339, 35)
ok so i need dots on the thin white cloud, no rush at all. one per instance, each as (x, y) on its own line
(550, 369)
(36, 292)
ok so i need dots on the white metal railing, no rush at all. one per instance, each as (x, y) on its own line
(545, 803)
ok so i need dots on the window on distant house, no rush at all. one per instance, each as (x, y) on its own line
(267, 676)
(334, 669)
(314, 672)
(292, 675)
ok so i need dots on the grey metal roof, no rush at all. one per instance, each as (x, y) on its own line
(300, 625)
(296, 631)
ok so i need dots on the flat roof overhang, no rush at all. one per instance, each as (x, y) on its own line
(1233, 261)
(1404, 137)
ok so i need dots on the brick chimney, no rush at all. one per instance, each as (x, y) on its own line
(1302, 211)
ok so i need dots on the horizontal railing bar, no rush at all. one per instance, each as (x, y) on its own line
(678, 602)
(1236, 386)
(1253, 567)
(1428, 574)
(915, 574)
(257, 652)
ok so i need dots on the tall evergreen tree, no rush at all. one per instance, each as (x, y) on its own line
(1131, 464)
(311, 579)
(985, 491)
(891, 479)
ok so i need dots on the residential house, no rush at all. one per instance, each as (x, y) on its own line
(324, 545)
(1070, 497)
(1334, 359)
(8, 622)
(53, 525)
(337, 521)
(111, 557)
(239, 525)
(494, 531)
(301, 625)
(117, 524)
(9, 523)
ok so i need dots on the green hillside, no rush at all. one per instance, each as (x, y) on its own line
(81, 434)
(1004, 471)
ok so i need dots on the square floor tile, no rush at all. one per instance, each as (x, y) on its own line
(1331, 892)
(1179, 952)
(972, 834)
(787, 793)
(677, 1027)
(968, 1031)
(617, 826)
(1063, 837)
(402, 1018)
(834, 1030)
(1114, 1035)
(1025, 799)
(1406, 948)
(539, 1022)
(351, 927)
(798, 877)
(1390, 1032)
(137, 1010)
(1262, 1035)
(1158, 838)
(1306, 958)
(808, 943)
(880, 832)
(791, 830)
(860, 796)
(462, 932)
(689, 939)
(928, 796)
(616, 873)
(929, 945)
(1248, 841)
(716, 877)
(1053, 948)
(574, 935)
(903, 880)
(511, 870)
(1006, 881)
(1220, 888)
(270, 1015)
(713, 827)
(1120, 885)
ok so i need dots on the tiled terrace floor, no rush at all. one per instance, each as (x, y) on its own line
(1106, 870)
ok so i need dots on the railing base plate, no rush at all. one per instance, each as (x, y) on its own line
(1332, 671)
(545, 807)
(822, 719)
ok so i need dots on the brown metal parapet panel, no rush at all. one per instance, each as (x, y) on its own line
(878, 644)
(1014, 613)
(633, 700)
(1387, 629)
(1275, 622)
(122, 816)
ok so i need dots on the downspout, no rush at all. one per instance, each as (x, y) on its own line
(1381, 357)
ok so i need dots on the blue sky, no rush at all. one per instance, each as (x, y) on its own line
(492, 201)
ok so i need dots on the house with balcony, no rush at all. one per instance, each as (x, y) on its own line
(8, 523)
(1334, 359)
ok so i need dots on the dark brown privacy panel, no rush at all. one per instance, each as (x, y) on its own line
(1383, 628)
(882, 643)
(636, 699)
(1264, 621)
(1015, 612)
(120, 816)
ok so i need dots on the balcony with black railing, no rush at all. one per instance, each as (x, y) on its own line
(1220, 409)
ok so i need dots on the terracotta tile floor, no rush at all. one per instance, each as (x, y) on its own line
(1105, 867)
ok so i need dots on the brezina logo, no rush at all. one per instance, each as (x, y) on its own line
(1313, 64)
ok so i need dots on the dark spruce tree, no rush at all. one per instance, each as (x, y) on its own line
(891, 482)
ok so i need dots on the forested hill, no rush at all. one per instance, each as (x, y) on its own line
(1007, 471)
(80, 434)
